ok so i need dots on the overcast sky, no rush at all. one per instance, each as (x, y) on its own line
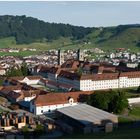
(77, 13)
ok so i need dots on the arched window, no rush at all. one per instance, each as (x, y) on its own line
(71, 101)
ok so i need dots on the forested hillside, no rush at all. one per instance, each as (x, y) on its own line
(28, 29)
(18, 31)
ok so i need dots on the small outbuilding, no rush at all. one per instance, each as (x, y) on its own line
(85, 118)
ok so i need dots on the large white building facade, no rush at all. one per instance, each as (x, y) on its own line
(102, 81)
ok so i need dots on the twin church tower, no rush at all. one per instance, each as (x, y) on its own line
(80, 56)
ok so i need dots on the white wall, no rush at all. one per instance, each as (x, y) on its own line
(30, 82)
(89, 84)
(134, 100)
(133, 82)
(29, 98)
(122, 82)
(38, 109)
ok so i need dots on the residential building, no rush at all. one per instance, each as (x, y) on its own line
(49, 102)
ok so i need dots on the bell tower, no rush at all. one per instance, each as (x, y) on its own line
(80, 55)
(60, 57)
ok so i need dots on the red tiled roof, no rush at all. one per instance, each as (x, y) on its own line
(58, 98)
(134, 74)
(6, 88)
(71, 63)
(103, 76)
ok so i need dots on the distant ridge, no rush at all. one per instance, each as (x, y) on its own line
(28, 30)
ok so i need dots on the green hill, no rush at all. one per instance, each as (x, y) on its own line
(28, 29)
(116, 37)
(22, 31)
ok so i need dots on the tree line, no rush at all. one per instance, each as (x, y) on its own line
(27, 29)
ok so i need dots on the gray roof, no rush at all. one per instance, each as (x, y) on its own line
(87, 114)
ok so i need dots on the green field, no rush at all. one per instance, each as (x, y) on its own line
(21, 53)
(126, 133)
(126, 39)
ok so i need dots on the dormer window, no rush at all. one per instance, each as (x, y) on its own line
(71, 101)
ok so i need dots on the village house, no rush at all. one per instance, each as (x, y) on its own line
(47, 103)
(2, 71)
(29, 80)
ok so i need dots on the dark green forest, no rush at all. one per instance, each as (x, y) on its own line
(27, 29)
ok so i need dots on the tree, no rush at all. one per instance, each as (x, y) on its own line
(39, 130)
(138, 65)
(122, 64)
(14, 72)
(118, 103)
(24, 69)
(1, 82)
(79, 71)
(111, 101)
(99, 100)
(25, 131)
(138, 89)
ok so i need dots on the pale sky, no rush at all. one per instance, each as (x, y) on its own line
(91, 14)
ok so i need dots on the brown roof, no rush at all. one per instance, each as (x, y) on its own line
(29, 93)
(14, 95)
(58, 98)
(104, 76)
(24, 93)
(69, 75)
(22, 77)
(7, 89)
(53, 70)
(71, 63)
(2, 68)
(134, 74)
(42, 68)
(53, 83)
